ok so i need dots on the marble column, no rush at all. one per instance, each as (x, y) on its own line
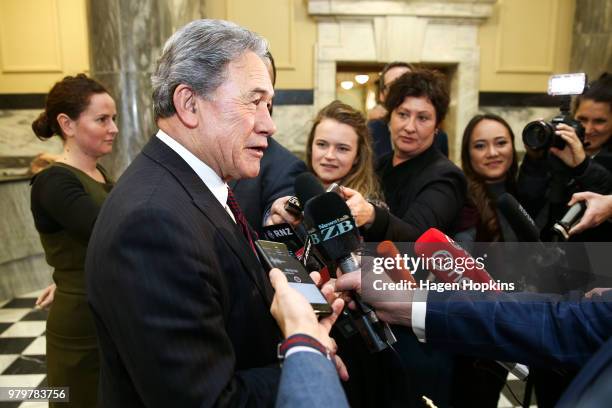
(592, 38)
(125, 40)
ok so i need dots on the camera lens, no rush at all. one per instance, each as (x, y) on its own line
(538, 135)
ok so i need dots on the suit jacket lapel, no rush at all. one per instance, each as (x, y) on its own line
(206, 202)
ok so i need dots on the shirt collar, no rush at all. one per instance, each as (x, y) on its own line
(211, 179)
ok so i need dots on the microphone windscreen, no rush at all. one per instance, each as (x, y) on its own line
(306, 187)
(522, 224)
(434, 244)
(331, 225)
(387, 249)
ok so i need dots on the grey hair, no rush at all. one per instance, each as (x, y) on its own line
(197, 55)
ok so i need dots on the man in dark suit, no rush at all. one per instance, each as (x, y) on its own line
(180, 300)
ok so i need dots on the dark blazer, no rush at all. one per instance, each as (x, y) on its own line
(278, 170)
(180, 301)
(546, 185)
(425, 192)
(534, 329)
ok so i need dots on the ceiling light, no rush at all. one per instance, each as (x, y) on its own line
(362, 78)
(346, 85)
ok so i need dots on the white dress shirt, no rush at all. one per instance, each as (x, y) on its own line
(208, 176)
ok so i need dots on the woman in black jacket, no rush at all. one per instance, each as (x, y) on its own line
(422, 188)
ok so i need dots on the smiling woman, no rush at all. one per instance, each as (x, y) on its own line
(339, 150)
(547, 179)
(490, 164)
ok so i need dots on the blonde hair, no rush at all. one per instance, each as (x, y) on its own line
(361, 177)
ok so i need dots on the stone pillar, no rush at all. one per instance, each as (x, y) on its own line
(125, 40)
(592, 38)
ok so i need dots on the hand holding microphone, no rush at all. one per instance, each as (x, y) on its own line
(283, 211)
(598, 210)
(361, 210)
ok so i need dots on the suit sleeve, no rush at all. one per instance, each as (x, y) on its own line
(436, 205)
(534, 329)
(309, 380)
(279, 177)
(170, 329)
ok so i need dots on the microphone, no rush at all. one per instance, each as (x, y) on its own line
(437, 245)
(306, 187)
(571, 218)
(387, 249)
(455, 263)
(333, 231)
(526, 231)
(521, 223)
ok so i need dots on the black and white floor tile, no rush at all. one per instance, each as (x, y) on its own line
(22, 347)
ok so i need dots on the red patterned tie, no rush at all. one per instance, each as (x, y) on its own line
(240, 218)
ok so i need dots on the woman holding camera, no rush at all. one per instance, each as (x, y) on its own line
(579, 166)
(546, 184)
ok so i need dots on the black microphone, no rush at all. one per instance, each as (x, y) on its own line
(333, 231)
(306, 187)
(552, 274)
(571, 218)
(521, 223)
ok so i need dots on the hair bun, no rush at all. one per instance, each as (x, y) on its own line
(41, 127)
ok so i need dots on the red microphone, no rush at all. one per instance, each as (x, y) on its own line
(435, 244)
(448, 261)
(387, 249)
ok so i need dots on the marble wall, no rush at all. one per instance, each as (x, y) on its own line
(22, 264)
(17, 140)
(17, 137)
(592, 38)
(518, 117)
(126, 39)
(293, 123)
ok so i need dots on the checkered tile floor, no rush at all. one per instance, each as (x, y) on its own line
(22, 352)
(22, 347)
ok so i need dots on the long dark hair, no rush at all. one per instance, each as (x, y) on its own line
(488, 225)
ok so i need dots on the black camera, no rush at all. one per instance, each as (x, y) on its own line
(539, 134)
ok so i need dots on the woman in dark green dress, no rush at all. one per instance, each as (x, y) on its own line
(66, 198)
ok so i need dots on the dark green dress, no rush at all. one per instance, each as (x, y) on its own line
(65, 204)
